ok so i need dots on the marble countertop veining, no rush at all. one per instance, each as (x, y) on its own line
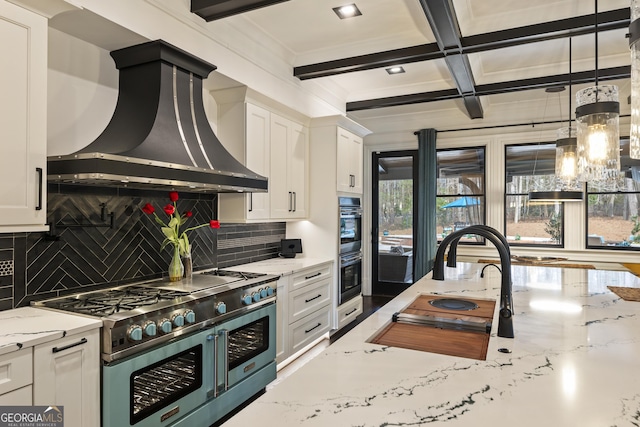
(280, 266)
(29, 326)
(574, 361)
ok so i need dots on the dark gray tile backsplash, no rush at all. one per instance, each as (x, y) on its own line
(83, 252)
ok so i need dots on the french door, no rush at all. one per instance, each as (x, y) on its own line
(395, 177)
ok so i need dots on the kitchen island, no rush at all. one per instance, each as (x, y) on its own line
(574, 361)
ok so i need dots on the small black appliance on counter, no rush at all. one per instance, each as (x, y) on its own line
(290, 247)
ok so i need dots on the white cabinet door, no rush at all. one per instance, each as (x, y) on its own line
(297, 169)
(67, 372)
(289, 158)
(23, 119)
(257, 157)
(349, 162)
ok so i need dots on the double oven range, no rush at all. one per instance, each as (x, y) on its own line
(350, 245)
(185, 353)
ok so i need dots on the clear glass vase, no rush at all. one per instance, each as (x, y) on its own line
(176, 268)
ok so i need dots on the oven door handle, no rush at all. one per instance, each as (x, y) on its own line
(225, 335)
(214, 338)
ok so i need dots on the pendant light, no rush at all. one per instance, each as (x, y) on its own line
(566, 165)
(598, 130)
(634, 36)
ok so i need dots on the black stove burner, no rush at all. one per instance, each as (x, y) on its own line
(105, 303)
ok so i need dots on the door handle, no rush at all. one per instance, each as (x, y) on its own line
(295, 201)
(290, 201)
(214, 337)
(225, 347)
(315, 327)
(66, 347)
(311, 299)
(250, 202)
(40, 176)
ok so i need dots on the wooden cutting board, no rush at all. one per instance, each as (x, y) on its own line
(459, 343)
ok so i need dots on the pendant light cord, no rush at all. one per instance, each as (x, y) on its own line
(570, 95)
(596, 35)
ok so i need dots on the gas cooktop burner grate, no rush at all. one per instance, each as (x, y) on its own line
(240, 274)
(112, 301)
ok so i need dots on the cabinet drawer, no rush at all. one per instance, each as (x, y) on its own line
(348, 311)
(303, 278)
(305, 301)
(20, 397)
(16, 370)
(309, 329)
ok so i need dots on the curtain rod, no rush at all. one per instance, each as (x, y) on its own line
(532, 124)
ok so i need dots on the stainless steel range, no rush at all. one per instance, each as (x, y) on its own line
(182, 353)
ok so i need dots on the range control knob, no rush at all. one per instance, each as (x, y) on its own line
(134, 333)
(263, 292)
(221, 308)
(178, 319)
(165, 326)
(255, 296)
(247, 300)
(149, 328)
(269, 290)
(189, 316)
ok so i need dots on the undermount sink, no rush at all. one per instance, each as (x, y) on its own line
(455, 326)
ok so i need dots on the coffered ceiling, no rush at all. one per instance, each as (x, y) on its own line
(467, 63)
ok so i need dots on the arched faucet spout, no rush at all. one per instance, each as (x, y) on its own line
(505, 320)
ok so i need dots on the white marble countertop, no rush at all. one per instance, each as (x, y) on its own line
(28, 326)
(574, 361)
(280, 266)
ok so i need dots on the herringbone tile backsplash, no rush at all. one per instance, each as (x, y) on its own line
(83, 252)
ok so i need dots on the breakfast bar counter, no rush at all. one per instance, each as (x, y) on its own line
(574, 361)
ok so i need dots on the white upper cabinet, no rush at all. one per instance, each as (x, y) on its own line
(289, 159)
(271, 145)
(23, 120)
(349, 162)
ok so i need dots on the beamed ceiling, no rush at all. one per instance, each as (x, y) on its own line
(466, 62)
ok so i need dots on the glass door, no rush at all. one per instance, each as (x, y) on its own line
(394, 191)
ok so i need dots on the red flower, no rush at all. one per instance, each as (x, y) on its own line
(173, 196)
(214, 223)
(169, 209)
(148, 209)
(188, 214)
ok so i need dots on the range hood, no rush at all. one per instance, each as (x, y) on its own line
(159, 136)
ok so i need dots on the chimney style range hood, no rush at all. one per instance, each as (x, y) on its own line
(159, 136)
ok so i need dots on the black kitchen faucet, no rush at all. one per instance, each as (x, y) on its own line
(505, 318)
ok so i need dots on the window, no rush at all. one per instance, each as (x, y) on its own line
(460, 199)
(612, 208)
(531, 167)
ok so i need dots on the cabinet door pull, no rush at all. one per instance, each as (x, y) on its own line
(66, 347)
(250, 202)
(351, 312)
(311, 299)
(295, 201)
(39, 205)
(313, 275)
(315, 327)
(290, 201)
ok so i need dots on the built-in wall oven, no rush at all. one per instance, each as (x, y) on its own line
(350, 245)
(182, 353)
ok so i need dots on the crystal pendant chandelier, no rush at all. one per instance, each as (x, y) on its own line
(634, 36)
(598, 129)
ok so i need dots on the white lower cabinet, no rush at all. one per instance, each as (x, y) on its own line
(304, 308)
(67, 372)
(16, 377)
(348, 311)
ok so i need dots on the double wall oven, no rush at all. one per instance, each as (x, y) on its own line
(350, 263)
(185, 354)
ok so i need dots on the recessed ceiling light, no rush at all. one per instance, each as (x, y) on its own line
(395, 70)
(347, 11)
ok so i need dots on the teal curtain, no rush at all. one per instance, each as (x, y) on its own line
(426, 245)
